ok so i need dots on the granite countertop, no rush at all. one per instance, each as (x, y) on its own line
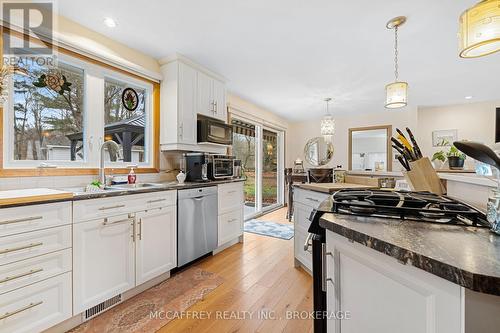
(331, 187)
(467, 256)
(79, 194)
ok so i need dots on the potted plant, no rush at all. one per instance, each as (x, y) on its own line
(455, 157)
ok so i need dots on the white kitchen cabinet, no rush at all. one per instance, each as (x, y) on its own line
(36, 307)
(156, 250)
(103, 267)
(230, 211)
(304, 202)
(187, 128)
(382, 295)
(211, 97)
(188, 89)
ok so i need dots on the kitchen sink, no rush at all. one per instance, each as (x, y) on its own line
(133, 186)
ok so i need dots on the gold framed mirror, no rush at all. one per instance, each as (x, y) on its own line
(370, 148)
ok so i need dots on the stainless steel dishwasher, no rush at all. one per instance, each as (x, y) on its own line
(196, 223)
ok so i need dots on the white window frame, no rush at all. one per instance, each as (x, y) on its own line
(148, 129)
(93, 120)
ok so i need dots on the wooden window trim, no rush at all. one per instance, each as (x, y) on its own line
(61, 171)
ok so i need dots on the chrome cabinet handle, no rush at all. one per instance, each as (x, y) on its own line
(311, 199)
(106, 221)
(19, 248)
(26, 219)
(308, 244)
(112, 207)
(216, 107)
(24, 308)
(232, 220)
(140, 229)
(31, 272)
(157, 200)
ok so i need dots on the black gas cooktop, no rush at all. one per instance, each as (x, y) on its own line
(419, 206)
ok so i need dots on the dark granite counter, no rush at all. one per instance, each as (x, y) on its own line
(467, 256)
(79, 194)
(163, 186)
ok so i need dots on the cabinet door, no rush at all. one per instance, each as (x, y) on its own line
(219, 98)
(205, 101)
(156, 247)
(383, 295)
(103, 260)
(187, 105)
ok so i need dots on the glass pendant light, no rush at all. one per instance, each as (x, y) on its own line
(396, 92)
(328, 123)
(479, 33)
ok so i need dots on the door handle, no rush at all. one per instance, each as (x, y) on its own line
(139, 235)
(307, 243)
(31, 272)
(26, 219)
(19, 248)
(112, 207)
(24, 308)
(106, 221)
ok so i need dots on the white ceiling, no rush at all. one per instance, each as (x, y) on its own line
(288, 55)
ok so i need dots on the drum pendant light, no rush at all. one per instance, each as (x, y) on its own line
(328, 123)
(479, 32)
(396, 92)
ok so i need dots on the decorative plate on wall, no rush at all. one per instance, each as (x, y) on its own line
(130, 99)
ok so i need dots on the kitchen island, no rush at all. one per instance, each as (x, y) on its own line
(411, 276)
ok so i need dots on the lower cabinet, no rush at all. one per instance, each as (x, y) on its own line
(103, 264)
(156, 250)
(115, 254)
(383, 295)
(230, 212)
(36, 307)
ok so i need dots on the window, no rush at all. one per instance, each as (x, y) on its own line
(126, 126)
(58, 116)
(48, 110)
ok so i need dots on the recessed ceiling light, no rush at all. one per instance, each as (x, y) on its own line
(468, 97)
(109, 22)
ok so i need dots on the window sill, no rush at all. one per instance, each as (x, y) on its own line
(41, 172)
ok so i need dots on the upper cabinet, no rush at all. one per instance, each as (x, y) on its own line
(187, 90)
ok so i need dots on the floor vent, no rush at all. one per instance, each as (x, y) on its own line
(96, 309)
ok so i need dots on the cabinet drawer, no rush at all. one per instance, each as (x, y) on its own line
(230, 226)
(86, 210)
(37, 306)
(309, 198)
(158, 199)
(29, 218)
(25, 272)
(230, 197)
(31, 244)
(301, 214)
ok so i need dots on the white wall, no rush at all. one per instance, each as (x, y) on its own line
(474, 122)
(301, 132)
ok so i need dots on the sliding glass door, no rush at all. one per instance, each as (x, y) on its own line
(261, 153)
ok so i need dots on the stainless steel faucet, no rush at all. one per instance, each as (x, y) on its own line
(113, 148)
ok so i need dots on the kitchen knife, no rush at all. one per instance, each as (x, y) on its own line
(403, 151)
(403, 162)
(416, 148)
(407, 147)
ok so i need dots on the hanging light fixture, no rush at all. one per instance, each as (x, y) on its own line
(396, 92)
(328, 123)
(479, 32)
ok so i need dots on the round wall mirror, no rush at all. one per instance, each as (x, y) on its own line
(318, 151)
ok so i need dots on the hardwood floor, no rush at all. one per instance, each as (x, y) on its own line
(260, 280)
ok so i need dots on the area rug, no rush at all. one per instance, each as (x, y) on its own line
(165, 300)
(271, 229)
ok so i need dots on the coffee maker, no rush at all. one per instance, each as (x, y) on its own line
(196, 167)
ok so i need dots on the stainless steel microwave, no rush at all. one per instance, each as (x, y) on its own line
(214, 131)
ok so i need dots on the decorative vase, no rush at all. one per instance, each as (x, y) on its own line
(455, 163)
(181, 177)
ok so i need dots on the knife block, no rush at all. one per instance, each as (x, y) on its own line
(423, 177)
